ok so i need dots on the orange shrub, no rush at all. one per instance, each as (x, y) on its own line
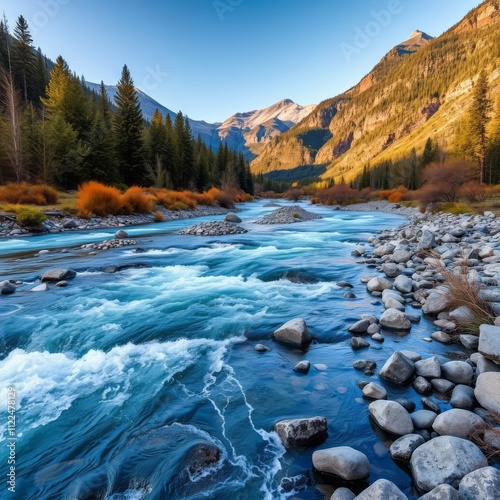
(204, 199)
(158, 217)
(136, 200)
(243, 198)
(223, 199)
(396, 197)
(340, 194)
(174, 200)
(99, 199)
(30, 194)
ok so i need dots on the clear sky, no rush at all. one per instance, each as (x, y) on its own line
(212, 58)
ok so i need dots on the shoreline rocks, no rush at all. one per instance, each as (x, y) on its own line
(288, 215)
(214, 228)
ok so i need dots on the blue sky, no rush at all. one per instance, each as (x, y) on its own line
(212, 58)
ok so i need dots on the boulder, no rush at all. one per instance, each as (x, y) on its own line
(403, 447)
(484, 365)
(436, 303)
(261, 348)
(343, 494)
(483, 484)
(445, 459)
(458, 372)
(427, 241)
(374, 391)
(71, 224)
(232, 218)
(469, 341)
(56, 275)
(378, 285)
(489, 342)
(294, 333)
(487, 391)
(343, 461)
(442, 337)
(6, 288)
(359, 343)
(40, 288)
(401, 256)
(391, 417)
(458, 423)
(428, 368)
(391, 303)
(442, 385)
(301, 432)
(422, 386)
(442, 492)
(398, 369)
(382, 490)
(302, 367)
(463, 397)
(411, 355)
(360, 326)
(121, 234)
(403, 284)
(423, 419)
(395, 320)
(390, 270)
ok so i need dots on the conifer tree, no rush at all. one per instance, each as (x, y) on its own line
(128, 125)
(24, 61)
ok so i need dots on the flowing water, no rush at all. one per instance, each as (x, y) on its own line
(120, 375)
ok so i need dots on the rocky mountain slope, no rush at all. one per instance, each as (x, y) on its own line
(245, 132)
(418, 90)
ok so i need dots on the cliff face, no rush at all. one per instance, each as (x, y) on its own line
(418, 90)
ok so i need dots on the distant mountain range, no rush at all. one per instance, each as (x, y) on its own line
(244, 132)
(419, 90)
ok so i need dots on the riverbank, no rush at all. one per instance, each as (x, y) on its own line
(57, 222)
(382, 206)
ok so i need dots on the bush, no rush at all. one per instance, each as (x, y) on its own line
(340, 194)
(30, 216)
(99, 199)
(173, 200)
(396, 197)
(158, 217)
(136, 201)
(456, 208)
(223, 199)
(30, 194)
(294, 194)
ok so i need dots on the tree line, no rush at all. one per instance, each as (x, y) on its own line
(54, 129)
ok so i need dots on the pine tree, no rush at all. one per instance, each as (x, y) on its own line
(188, 164)
(24, 61)
(5, 63)
(128, 125)
(429, 154)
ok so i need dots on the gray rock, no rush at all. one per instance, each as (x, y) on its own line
(401, 256)
(436, 302)
(445, 459)
(442, 385)
(40, 288)
(482, 484)
(442, 492)
(422, 386)
(378, 285)
(463, 397)
(391, 417)
(428, 368)
(300, 432)
(484, 365)
(363, 364)
(343, 461)
(427, 241)
(71, 224)
(343, 494)
(261, 348)
(62, 284)
(403, 447)
(407, 404)
(390, 270)
(458, 372)
(359, 343)
(56, 275)
(232, 218)
(458, 423)
(487, 391)
(442, 337)
(373, 329)
(398, 369)
(395, 320)
(121, 234)
(302, 367)
(492, 437)
(360, 326)
(411, 355)
(374, 391)
(391, 303)
(403, 284)
(431, 405)
(469, 341)
(423, 419)
(294, 333)
(382, 490)
(489, 342)
(6, 288)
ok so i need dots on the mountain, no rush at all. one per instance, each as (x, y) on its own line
(243, 132)
(418, 90)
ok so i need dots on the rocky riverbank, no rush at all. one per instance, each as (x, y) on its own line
(446, 451)
(382, 206)
(58, 222)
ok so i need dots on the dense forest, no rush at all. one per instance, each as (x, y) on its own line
(55, 130)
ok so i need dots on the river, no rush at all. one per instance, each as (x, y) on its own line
(119, 375)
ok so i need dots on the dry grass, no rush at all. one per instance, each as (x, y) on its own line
(492, 427)
(96, 198)
(137, 201)
(28, 194)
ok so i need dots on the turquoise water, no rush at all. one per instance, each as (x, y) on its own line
(120, 375)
